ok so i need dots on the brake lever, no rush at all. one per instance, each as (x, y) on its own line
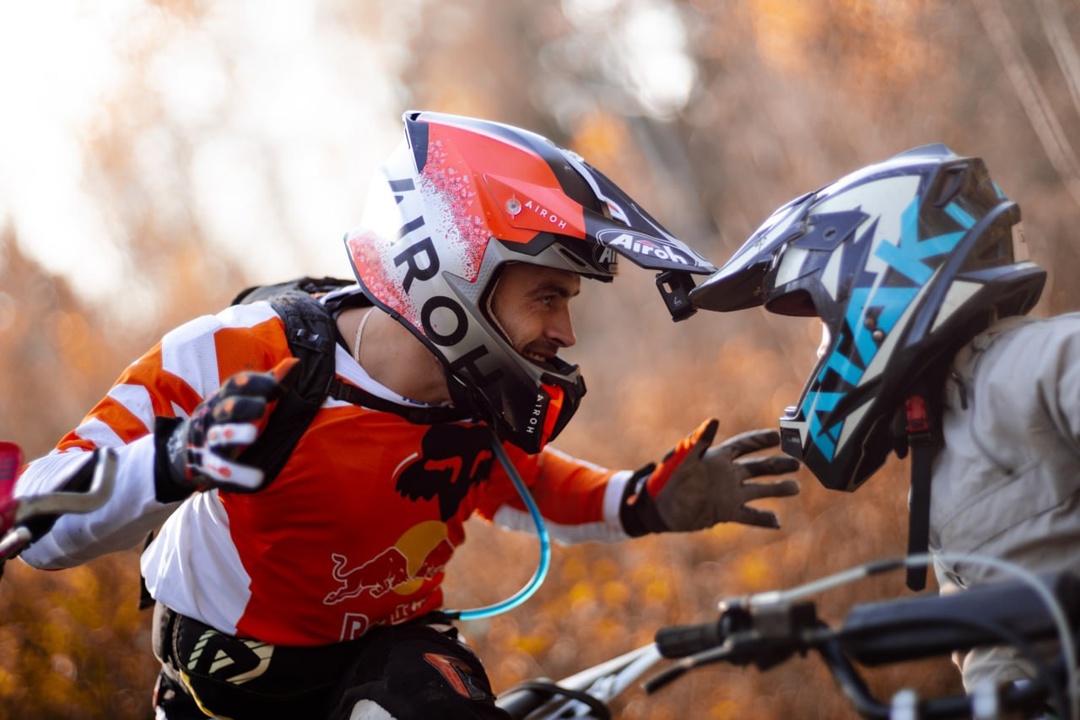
(680, 668)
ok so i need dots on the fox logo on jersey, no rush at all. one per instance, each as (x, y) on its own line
(452, 460)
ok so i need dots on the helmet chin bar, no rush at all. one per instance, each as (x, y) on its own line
(551, 414)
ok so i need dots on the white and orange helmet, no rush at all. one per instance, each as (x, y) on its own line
(460, 199)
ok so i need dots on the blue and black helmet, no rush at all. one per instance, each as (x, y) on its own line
(904, 262)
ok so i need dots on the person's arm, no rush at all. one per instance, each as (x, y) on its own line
(693, 488)
(579, 500)
(120, 523)
(167, 384)
(1060, 379)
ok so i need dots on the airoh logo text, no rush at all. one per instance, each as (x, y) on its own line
(421, 263)
(640, 244)
(536, 417)
(543, 213)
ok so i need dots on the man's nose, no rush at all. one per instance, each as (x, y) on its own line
(561, 330)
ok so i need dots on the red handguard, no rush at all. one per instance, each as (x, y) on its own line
(10, 462)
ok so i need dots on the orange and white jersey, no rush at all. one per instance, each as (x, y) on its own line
(355, 530)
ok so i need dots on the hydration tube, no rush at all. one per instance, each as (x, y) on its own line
(545, 549)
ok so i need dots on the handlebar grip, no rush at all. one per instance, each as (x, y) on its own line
(680, 641)
(520, 701)
(928, 625)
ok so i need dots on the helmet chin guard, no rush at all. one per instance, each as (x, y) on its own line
(455, 203)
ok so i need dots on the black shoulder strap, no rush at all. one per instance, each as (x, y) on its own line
(922, 456)
(309, 285)
(429, 415)
(311, 333)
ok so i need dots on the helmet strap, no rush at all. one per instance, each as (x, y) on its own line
(921, 442)
(463, 398)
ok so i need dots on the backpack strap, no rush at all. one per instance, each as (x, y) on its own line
(309, 285)
(311, 333)
(428, 415)
(922, 457)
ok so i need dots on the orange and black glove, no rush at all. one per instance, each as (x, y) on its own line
(200, 451)
(697, 486)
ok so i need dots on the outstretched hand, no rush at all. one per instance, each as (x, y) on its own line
(203, 449)
(697, 486)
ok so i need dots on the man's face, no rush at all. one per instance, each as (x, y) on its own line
(532, 307)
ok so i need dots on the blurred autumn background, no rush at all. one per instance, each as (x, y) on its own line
(155, 157)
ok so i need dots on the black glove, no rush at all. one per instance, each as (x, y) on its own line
(696, 487)
(200, 452)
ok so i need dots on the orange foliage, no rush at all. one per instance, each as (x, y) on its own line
(792, 94)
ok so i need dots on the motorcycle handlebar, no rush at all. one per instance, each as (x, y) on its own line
(933, 625)
(766, 632)
(58, 503)
(679, 641)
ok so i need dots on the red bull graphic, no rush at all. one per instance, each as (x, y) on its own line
(377, 576)
(436, 560)
(421, 554)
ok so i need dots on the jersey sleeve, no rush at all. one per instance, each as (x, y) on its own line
(579, 501)
(1060, 381)
(170, 380)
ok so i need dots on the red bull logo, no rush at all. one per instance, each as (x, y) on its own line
(418, 556)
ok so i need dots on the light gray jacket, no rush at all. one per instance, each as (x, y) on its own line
(1007, 483)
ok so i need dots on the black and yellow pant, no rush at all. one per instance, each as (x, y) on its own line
(416, 670)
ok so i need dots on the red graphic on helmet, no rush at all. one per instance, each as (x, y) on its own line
(368, 251)
(448, 184)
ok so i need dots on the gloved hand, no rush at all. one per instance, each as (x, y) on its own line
(696, 486)
(200, 452)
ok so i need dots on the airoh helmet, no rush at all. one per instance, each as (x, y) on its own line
(459, 200)
(904, 262)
